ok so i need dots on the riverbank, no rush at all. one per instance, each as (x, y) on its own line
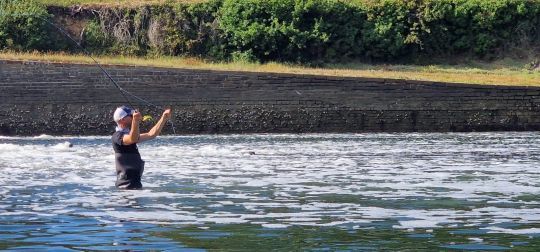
(503, 72)
(78, 99)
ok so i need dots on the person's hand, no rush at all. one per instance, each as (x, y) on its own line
(137, 117)
(167, 114)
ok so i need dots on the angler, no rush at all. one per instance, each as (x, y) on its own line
(129, 165)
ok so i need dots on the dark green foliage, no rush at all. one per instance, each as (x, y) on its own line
(94, 39)
(485, 28)
(292, 30)
(306, 31)
(22, 26)
(391, 29)
(330, 30)
(189, 30)
(178, 30)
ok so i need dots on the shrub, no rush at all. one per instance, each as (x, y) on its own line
(305, 31)
(119, 31)
(292, 30)
(485, 28)
(392, 28)
(191, 30)
(23, 26)
(94, 39)
(168, 29)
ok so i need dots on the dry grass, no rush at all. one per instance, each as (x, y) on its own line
(123, 3)
(496, 73)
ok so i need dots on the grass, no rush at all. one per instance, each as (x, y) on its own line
(129, 3)
(503, 72)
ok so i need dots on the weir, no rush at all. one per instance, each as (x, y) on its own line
(77, 99)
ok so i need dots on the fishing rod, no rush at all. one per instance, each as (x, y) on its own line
(123, 92)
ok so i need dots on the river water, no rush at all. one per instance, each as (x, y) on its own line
(462, 191)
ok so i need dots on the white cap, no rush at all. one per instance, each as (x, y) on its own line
(122, 112)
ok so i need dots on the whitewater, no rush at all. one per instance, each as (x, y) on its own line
(412, 185)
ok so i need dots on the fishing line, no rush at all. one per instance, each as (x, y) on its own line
(123, 92)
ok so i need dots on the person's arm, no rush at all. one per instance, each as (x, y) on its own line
(133, 136)
(156, 130)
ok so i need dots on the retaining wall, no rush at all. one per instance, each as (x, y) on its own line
(77, 99)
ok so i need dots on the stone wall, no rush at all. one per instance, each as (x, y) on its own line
(76, 99)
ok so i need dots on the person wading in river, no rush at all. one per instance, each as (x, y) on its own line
(129, 165)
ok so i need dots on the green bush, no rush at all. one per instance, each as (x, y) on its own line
(191, 30)
(306, 31)
(292, 30)
(169, 29)
(485, 28)
(94, 39)
(391, 29)
(119, 31)
(23, 26)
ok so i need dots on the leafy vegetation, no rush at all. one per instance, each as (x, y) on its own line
(118, 3)
(310, 32)
(23, 26)
(293, 31)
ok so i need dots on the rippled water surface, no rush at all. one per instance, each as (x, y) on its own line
(476, 191)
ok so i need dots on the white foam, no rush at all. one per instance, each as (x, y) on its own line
(319, 180)
(63, 146)
(43, 136)
(476, 239)
(268, 225)
(417, 224)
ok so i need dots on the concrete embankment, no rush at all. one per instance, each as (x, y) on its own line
(77, 99)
